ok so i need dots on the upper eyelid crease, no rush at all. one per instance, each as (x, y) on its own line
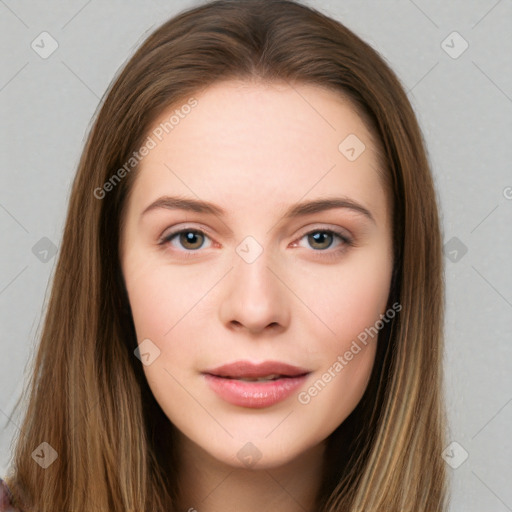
(297, 210)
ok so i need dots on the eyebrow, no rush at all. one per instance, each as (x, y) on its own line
(296, 210)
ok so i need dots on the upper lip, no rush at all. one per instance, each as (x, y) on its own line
(246, 369)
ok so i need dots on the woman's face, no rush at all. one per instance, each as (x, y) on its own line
(231, 277)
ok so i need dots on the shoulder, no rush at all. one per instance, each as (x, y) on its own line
(6, 499)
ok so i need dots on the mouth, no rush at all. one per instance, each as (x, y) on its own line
(268, 370)
(252, 385)
(267, 378)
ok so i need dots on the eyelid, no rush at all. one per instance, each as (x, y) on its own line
(327, 227)
(177, 228)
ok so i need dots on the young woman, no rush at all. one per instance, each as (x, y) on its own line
(247, 309)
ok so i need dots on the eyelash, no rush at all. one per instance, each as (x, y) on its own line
(324, 253)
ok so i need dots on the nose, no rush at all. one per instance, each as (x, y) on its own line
(255, 298)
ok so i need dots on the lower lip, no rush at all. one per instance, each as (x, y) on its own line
(254, 394)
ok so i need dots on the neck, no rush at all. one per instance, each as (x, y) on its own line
(207, 484)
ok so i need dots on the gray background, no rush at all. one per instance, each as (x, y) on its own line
(464, 105)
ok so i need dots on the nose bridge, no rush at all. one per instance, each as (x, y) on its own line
(255, 297)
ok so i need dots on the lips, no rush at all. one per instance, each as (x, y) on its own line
(252, 385)
(251, 371)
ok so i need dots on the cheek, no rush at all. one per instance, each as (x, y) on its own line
(349, 300)
(346, 358)
(351, 305)
(334, 393)
(167, 308)
(152, 309)
(162, 313)
(159, 297)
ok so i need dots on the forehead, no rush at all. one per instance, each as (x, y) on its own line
(253, 144)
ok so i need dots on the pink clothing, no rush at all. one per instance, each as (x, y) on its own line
(6, 499)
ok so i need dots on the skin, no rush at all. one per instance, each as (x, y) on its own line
(255, 149)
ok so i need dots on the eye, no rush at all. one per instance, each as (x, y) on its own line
(189, 239)
(322, 239)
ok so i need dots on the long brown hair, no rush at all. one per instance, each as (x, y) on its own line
(88, 396)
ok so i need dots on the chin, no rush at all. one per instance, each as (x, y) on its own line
(258, 454)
